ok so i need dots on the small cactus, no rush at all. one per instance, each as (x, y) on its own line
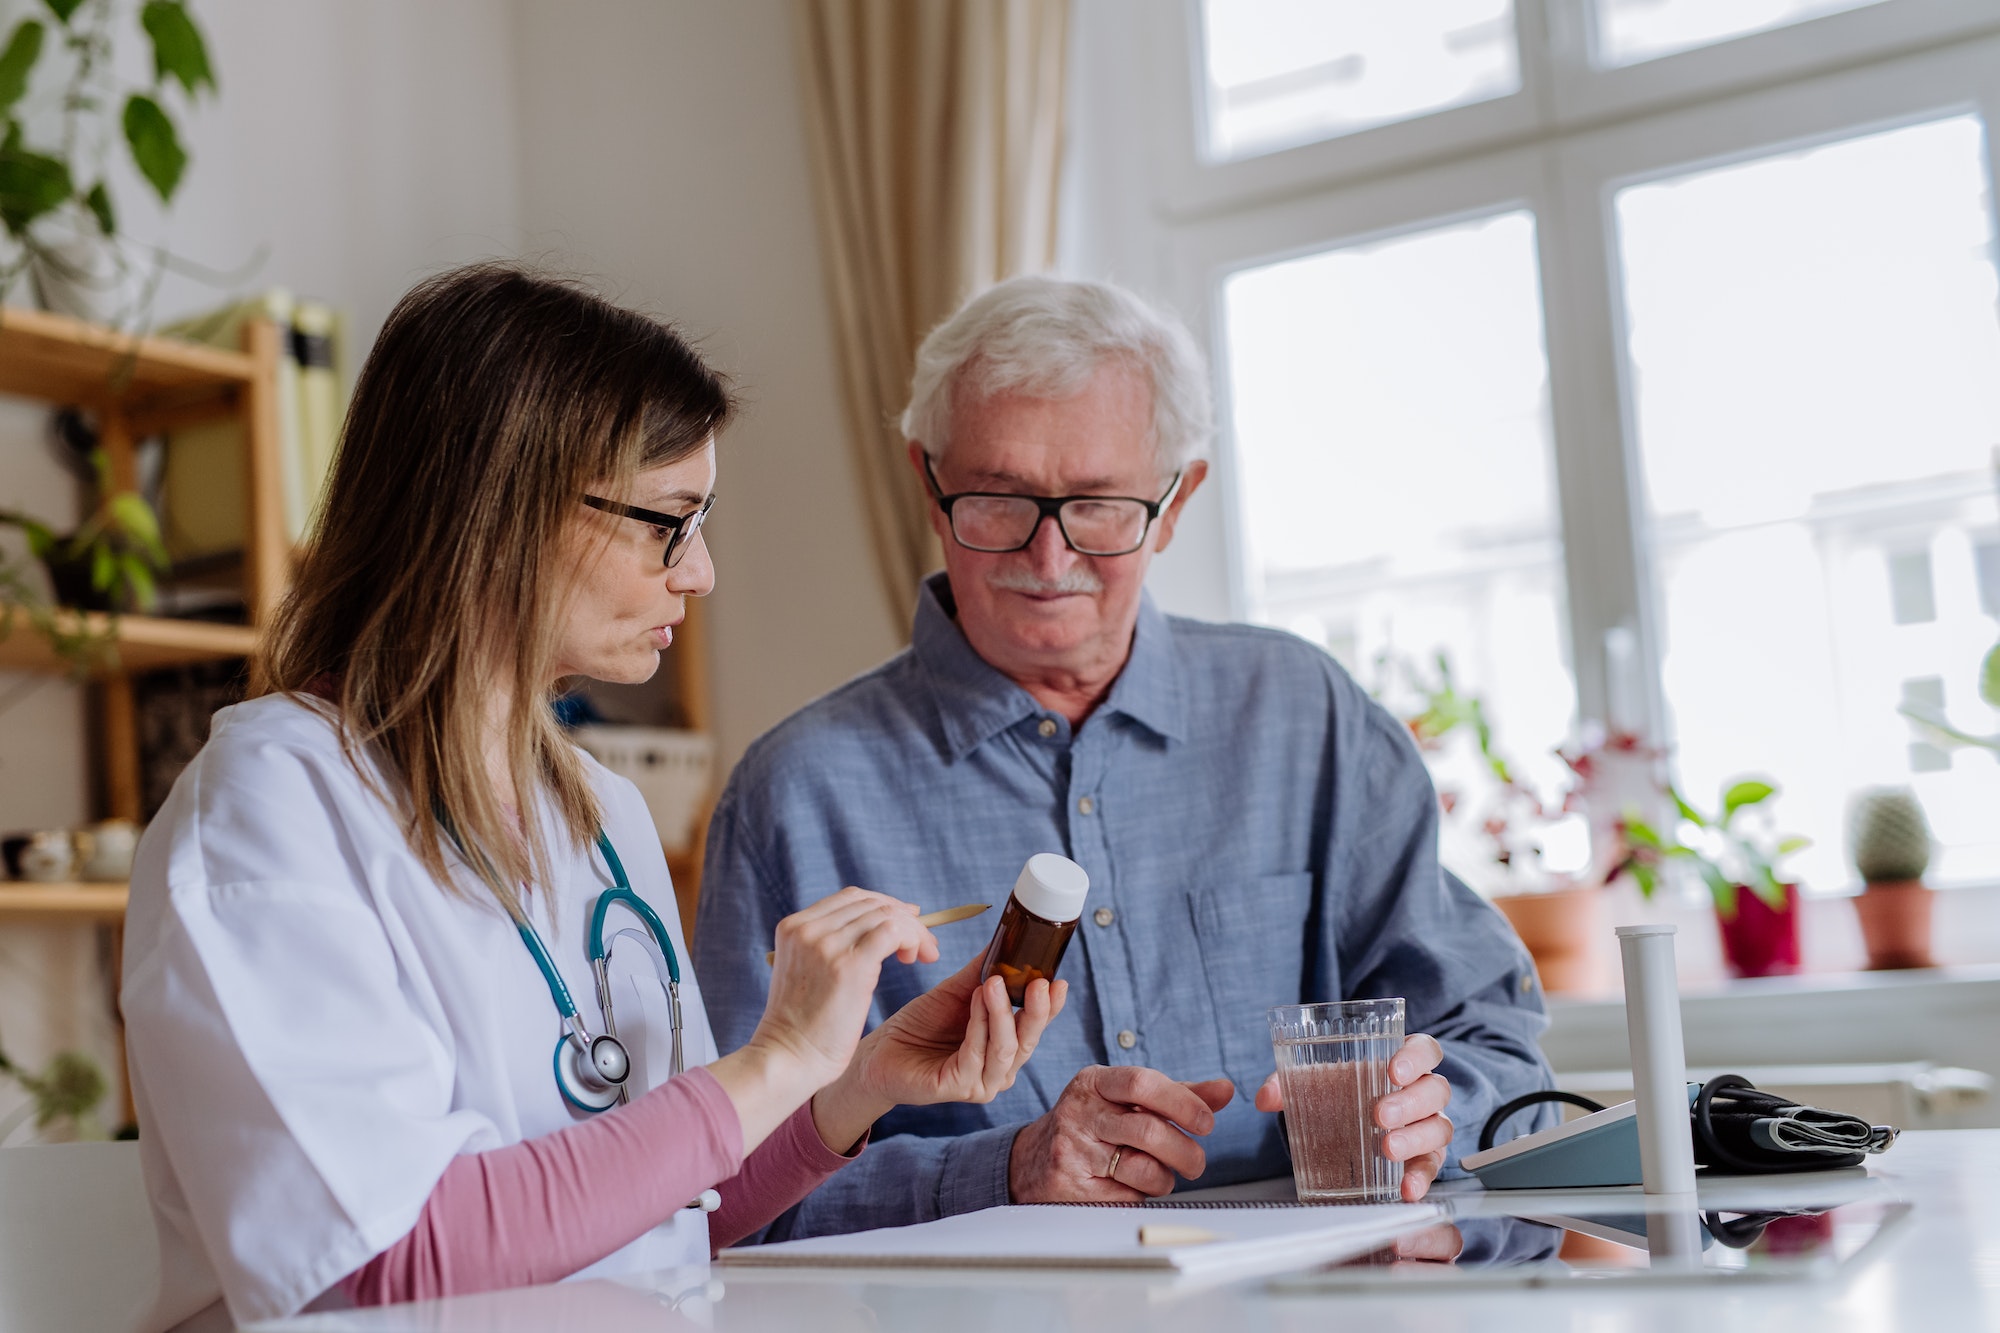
(1887, 835)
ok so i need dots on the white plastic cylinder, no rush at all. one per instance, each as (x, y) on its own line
(1659, 1059)
(1674, 1237)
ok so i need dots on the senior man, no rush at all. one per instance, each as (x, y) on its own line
(1257, 831)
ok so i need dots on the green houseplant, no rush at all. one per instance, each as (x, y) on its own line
(1941, 732)
(61, 1096)
(1496, 820)
(1755, 906)
(58, 216)
(108, 563)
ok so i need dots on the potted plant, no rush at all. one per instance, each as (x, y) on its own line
(1496, 822)
(1755, 908)
(56, 207)
(108, 563)
(61, 1097)
(1890, 843)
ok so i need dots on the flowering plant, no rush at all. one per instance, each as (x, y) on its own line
(1508, 820)
(1726, 849)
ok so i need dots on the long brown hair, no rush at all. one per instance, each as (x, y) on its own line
(433, 579)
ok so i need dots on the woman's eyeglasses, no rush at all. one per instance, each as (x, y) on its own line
(680, 528)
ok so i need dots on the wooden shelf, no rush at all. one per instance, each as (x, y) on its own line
(67, 361)
(89, 902)
(145, 643)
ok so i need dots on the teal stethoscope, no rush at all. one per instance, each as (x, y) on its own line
(591, 1071)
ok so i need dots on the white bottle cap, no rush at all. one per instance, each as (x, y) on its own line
(1052, 887)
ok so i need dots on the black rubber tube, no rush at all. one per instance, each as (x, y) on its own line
(1522, 1103)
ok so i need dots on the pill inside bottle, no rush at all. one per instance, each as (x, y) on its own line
(1035, 929)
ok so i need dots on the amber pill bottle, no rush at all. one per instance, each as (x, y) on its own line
(1035, 929)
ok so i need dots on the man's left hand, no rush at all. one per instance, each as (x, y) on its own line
(1419, 1131)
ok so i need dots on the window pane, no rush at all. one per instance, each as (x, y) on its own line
(1391, 421)
(1287, 72)
(1816, 362)
(1629, 31)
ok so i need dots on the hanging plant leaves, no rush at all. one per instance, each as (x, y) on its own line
(1989, 677)
(62, 9)
(156, 148)
(133, 517)
(31, 184)
(17, 60)
(178, 50)
(98, 201)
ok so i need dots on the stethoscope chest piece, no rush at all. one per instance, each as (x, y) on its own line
(591, 1071)
(591, 1078)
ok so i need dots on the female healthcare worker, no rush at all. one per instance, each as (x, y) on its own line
(370, 1013)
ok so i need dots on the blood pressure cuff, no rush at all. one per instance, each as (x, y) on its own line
(1739, 1129)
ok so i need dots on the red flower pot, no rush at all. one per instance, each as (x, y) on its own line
(1759, 940)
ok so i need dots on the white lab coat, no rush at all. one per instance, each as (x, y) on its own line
(317, 1027)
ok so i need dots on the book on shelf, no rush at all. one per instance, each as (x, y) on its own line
(202, 510)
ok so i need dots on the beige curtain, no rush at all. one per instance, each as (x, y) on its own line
(935, 129)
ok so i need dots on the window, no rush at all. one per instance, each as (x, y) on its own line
(1632, 30)
(1816, 362)
(1629, 31)
(1284, 72)
(1642, 356)
(1340, 399)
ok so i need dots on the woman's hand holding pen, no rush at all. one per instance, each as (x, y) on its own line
(829, 958)
(960, 1041)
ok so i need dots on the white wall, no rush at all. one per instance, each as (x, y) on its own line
(1114, 229)
(662, 149)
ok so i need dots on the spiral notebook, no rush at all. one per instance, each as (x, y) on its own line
(1239, 1239)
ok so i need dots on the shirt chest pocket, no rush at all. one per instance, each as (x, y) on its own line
(1252, 939)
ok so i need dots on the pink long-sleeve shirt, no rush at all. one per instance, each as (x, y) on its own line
(539, 1210)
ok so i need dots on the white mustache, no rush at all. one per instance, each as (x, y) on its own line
(1079, 579)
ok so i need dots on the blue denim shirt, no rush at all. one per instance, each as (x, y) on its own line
(1257, 832)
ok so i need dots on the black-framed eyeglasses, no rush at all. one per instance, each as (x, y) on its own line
(680, 528)
(996, 522)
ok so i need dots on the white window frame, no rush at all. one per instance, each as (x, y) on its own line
(1561, 91)
(1562, 147)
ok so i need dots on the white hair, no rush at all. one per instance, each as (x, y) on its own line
(1046, 337)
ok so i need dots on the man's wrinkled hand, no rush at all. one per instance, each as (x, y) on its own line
(1117, 1134)
(1419, 1131)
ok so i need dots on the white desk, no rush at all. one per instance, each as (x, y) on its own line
(1940, 1270)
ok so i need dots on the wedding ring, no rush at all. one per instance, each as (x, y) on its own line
(1116, 1153)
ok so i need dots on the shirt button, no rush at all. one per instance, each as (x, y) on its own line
(1128, 1039)
(1085, 806)
(1104, 916)
(1047, 727)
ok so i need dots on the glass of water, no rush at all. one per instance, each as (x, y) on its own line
(1333, 1066)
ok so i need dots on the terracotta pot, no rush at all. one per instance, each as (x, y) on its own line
(1562, 930)
(1759, 940)
(1896, 923)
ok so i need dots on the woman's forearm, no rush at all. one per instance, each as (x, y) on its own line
(765, 1084)
(843, 1111)
(786, 1167)
(541, 1209)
